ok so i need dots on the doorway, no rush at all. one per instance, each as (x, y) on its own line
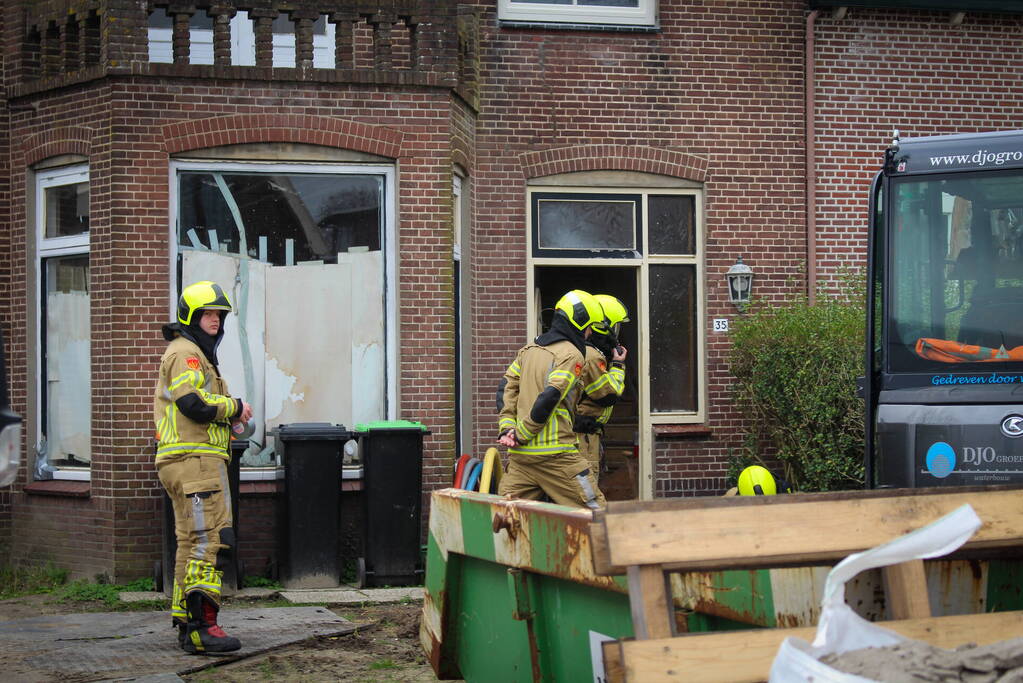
(619, 478)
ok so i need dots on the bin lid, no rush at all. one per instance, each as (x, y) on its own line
(319, 431)
(390, 424)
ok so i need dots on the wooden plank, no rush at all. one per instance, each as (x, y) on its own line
(715, 537)
(746, 656)
(600, 552)
(906, 590)
(649, 600)
(614, 672)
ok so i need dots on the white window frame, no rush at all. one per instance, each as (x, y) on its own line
(641, 316)
(243, 45)
(643, 15)
(389, 241)
(46, 248)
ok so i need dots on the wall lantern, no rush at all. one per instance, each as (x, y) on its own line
(740, 282)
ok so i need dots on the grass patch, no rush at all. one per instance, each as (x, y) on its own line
(18, 581)
(382, 664)
(101, 591)
(261, 582)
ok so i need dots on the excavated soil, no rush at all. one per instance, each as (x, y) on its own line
(917, 662)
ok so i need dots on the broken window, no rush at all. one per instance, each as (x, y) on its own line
(288, 218)
(65, 436)
(301, 252)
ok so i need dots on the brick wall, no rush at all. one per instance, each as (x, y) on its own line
(721, 82)
(715, 96)
(908, 70)
(127, 129)
(5, 271)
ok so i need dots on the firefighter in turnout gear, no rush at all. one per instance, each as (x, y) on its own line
(194, 414)
(602, 380)
(539, 391)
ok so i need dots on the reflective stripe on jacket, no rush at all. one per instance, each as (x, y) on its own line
(601, 386)
(184, 369)
(541, 379)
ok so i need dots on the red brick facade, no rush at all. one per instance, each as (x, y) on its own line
(714, 98)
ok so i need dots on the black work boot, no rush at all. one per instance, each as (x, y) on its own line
(182, 627)
(202, 635)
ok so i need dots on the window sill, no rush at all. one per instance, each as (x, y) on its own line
(272, 488)
(576, 26)
(59, 487)
(698, 431)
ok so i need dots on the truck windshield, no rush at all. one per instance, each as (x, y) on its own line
(956, 273)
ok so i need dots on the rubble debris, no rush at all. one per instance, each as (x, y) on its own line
(918, 662)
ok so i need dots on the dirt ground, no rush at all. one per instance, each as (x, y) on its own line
(385, 649)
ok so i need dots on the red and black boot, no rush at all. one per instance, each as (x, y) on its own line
(182, 627)
(202, 635)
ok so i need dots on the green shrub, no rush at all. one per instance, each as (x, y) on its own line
(796, 367)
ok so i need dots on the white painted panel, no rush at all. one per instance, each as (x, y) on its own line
(68, 371)
(308, 344)
(367, 324)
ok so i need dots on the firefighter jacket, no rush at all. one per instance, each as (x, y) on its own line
(538, 398)
(192, 408)
(601, 388)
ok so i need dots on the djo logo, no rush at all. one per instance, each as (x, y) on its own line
(941, 459)
(1012, 426)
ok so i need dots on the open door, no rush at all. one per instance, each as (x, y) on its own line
(620, 479)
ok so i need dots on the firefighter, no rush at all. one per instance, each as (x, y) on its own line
(194, 415)
(539, 392)
(603, 381)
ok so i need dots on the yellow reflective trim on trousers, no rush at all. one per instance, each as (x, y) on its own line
(178, 608)
(202, 575)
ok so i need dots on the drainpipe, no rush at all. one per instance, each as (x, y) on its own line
(811, 173)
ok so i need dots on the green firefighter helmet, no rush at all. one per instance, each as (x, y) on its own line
(757, 481)
(581, 309)
(615, 314)
(201, 295)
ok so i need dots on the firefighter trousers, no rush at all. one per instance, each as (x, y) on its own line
(566, 478)
(201, 496)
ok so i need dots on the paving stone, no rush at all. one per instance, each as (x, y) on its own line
(351, 596)
(113, 645)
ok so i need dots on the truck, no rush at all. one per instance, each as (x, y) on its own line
(944, 353)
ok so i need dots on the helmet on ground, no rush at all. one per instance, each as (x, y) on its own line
(757, 481)
(615, 314)
(581, 309)
(201, 295)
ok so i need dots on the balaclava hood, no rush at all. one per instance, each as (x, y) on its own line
(563, 330)
(206, 342)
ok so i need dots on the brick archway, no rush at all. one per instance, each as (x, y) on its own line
(55, 142)
(614, 158)
(254, 128)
